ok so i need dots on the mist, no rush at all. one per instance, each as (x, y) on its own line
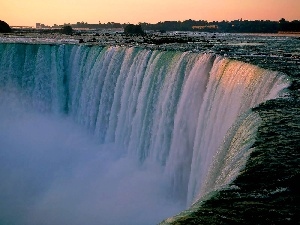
(53, 171)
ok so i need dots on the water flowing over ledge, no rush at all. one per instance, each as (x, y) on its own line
(188, 113)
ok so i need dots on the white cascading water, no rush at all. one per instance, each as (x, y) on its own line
(189, 114)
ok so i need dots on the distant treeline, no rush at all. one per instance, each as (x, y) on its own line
(236, 26)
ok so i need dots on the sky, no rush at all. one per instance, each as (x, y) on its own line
(50, 12)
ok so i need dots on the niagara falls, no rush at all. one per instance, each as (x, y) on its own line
(150, 112)
(122, 135)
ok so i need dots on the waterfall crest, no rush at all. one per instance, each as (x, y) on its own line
(190, 113)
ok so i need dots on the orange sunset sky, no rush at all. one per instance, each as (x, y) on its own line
(49, 12)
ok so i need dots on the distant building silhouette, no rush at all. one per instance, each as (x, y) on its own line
(205, 27)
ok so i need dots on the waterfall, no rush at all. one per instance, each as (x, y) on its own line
(188, 113)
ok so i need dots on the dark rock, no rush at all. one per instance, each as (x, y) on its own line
(4, 27)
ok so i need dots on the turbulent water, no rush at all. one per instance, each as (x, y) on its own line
(114, 135)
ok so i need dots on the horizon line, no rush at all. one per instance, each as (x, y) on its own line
(217, 21)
